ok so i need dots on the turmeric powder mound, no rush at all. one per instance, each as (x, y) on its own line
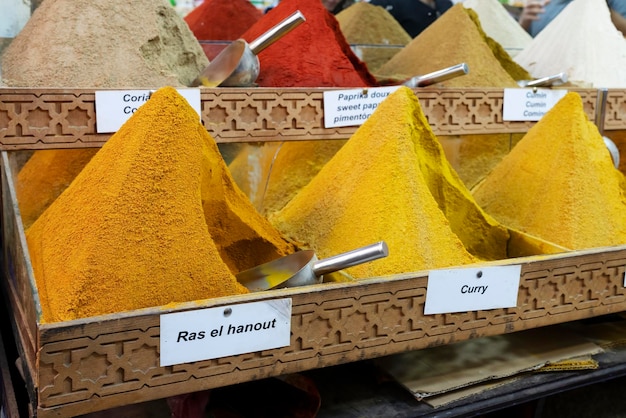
(294, 165)
(244, 237)
(250, 168)
(376, 187)
(382, 29)
(559, 183)
(272, 173)
(434, 49)
(474, 156)
(44, 177)
(130, 230)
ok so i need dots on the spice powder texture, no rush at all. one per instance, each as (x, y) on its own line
(434, 49)
(44, 177)
(374, 189)
(222, 20)
(314, 54)
(113, 43)
(130, 231)
(559, 183)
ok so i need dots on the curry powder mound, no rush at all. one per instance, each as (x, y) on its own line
(133, 229)
(559, 183)
(391, 182)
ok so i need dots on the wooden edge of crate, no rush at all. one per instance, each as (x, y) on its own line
(332, 323)
(10, 407)
(66, 118)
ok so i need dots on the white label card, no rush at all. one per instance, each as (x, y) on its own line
(115, 107)
(472, 289)
(352, 107)
(206, 334)
(529, 104)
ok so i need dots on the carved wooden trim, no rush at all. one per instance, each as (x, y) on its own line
(53, 118)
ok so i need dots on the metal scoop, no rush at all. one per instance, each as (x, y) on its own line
(551, 80)
(599, 121)
(303, 268)
(237, 65)
(437, 76)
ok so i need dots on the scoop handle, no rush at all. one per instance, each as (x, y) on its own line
(551, 80)
(351, 258)
(437, 76)
(601, 109)
(276, 32)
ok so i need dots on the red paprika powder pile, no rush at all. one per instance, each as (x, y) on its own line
(314, 54)
(219, 20)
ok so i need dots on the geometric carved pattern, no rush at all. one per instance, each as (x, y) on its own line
(94, 366)
(51, 118)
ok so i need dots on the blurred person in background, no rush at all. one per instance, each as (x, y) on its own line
(537, 14)
(335, 6)
(414, 15)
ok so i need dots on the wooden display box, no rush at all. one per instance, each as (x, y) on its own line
(82, 366)
(76, 367)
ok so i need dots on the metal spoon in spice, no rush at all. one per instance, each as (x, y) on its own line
(237, 65)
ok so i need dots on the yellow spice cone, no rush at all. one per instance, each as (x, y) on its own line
(559, 183)
(130, 231)
(374, 189)
(244, 237)
(44, 177)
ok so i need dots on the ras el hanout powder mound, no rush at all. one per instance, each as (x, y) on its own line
(559, 183)
(154, 218)
(391, 182)
(85, 44)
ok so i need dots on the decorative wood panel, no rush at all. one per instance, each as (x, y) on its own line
(52, 118)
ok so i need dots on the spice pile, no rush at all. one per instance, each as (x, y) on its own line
(44, 177)
(371, 44)
(159, 219)
(391, 182)
(583, 42)
(434, 49)
(294, 165)
(117, 43)
(315, 54)
(499, 25)
(222, 20)
(489, 66)
(559, 183)
(87, 44)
